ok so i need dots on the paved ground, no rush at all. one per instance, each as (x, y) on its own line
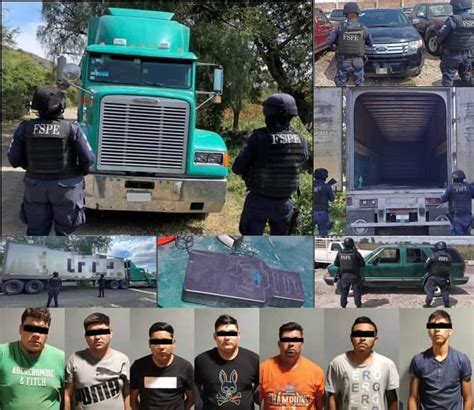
(326, 297)
(86, 297)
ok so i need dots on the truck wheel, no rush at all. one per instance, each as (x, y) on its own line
(32, 287)
(123, 284)
(114, 284)
(12, 287)
(437, 292)
(432, 44)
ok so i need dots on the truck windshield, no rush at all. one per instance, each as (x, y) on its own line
(383, 18)
(139, 71)
(441, 10)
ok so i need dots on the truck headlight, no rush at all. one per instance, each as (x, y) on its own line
(414, 46)
(216, 158)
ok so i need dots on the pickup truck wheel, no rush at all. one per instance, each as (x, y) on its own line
(432, 44)
(437, 292)
(32, 287)
(114, 284)
(123, 284)
(13, 287)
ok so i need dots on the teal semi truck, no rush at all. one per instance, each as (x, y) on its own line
(138, 103)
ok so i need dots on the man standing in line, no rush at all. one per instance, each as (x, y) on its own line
(54, 286)
(441, 375)
(161, 380)
(362, 378)
(227, 375)
(97, 377)
(290, 380)
(31, 371)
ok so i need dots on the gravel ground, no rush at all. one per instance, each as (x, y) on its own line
(325, 69)
(86, 297)
(460, 296)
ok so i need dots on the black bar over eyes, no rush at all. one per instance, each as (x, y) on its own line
(439, 325)
(161, 341)
(224, 333)
(360, 333)
(291, 340)
(36, 329)
(98, 332)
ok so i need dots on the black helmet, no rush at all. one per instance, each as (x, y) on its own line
(321, 173)
(351, 7)
(348, 243)
(459, 5)
(49, 101)
(280, 104)
(440, 246)
(458, 174)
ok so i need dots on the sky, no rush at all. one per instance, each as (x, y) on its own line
(140, 249)
(27, 17)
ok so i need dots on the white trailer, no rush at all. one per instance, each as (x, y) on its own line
(27, 268)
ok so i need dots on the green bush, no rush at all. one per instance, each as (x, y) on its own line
(21, 75)
(304, 204)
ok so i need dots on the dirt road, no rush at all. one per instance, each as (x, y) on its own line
(460, 296)
(325, 69)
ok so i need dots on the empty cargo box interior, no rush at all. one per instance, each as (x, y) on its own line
(400, 141)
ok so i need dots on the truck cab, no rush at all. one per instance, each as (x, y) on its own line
(138, 110)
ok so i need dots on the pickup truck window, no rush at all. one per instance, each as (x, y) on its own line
(389, 256)
(138, 71)
(415, 255)
(336, 247)
(440, 10)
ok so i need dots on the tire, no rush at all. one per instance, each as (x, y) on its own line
(437, 292)
(32, 287)
(123, 284)
(432, 45)
(114, 284)
(12, 287)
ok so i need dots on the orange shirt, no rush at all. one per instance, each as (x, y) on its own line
(297, 388)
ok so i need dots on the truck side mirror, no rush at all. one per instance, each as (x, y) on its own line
(70, 72)
(218, 80)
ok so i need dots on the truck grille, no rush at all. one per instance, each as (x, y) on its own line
(143, 134)
(397, 48)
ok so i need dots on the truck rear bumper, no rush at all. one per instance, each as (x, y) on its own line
(175, 195)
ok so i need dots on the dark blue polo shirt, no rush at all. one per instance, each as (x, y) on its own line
(440, 382)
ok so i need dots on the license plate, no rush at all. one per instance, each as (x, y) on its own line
(138, 196)
(402, 217)
(381, 70)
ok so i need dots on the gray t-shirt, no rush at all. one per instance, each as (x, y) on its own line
(361, 387)
(98, 384)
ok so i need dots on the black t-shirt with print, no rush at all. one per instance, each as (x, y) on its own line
(156, 392)
(227, 384)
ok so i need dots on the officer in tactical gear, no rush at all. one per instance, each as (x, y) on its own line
(349, 261)
(56, 156)
(54, 285)
(350, 38)
(270, 164)
(457, 38)
(459, 197)
(322, 195)
(437, 266)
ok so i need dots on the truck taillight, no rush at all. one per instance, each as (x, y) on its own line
(432, 201)
(349, 201)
